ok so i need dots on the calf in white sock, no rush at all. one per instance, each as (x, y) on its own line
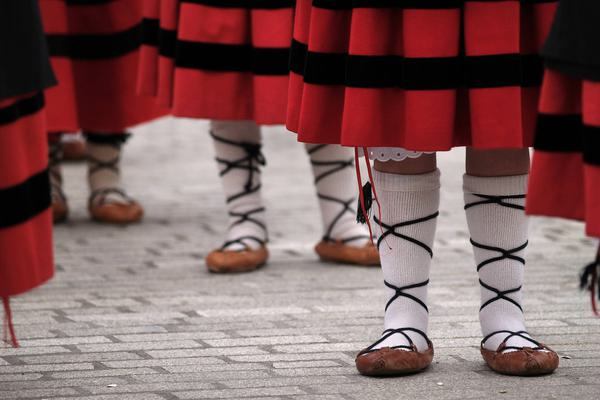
(238, 153)
(108, 202)
(499, 232)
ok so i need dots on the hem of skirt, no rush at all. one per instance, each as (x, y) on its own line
(574, 70)
(103, 128)
(40, 282)
(221, 117)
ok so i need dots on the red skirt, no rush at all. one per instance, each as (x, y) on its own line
(26, 259)
(94, 52)
(389, 74)
(565, 176)
(219, 61)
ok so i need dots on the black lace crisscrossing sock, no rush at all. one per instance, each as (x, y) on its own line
(499, 235)
(334, 177)
(409, 206)
(239, 157)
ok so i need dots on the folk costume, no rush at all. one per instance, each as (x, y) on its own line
(26, 259)
(565, 176)
(94, 48)
(228, 62)
(396, 79)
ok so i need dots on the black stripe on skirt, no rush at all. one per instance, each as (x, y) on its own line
(154, 35)
(568, 134)
(435, 73)
(249, 4)
(24, 201)
(21, 108)
(406, 4)
(93, 47)
(235, 58)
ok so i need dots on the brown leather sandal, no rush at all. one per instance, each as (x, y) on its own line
(102, 210)
(521, 361)
(340, 252)
(396, 360)
(228, 261)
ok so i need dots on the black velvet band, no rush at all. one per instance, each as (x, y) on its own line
(106, 138)
(249, 4)
(92, 47)
(440, 73)
(237, 58)
(24, 201)
(21, 108)
(408, 4)
(568, 134)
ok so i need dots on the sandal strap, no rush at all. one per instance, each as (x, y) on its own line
(241, 240)
(402, 331)
(503, 347)
(98, 196)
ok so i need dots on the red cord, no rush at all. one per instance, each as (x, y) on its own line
(370, 172)
(361, 195)
(593, 294)
(9, 328)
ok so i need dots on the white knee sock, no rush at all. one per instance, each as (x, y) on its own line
(104, 174)
(237, 148)
(499, 231)
(335, 180)
(409, 206)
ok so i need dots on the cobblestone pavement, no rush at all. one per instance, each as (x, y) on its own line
(132, 313)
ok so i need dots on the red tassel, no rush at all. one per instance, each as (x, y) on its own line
(361, 195)
(370, 172)
(9, 329)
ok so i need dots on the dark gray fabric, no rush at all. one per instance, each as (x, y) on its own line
(24, 63)
(573, 46)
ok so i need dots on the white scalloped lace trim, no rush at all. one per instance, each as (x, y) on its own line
(393, 153)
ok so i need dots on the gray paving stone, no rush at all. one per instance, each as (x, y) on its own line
(79, 357)
(293, 357)
(155, 337)
(140, 346)
(265, 341)
(103, 372)
(37, 393)
(120, 396)
(305, 364)
(46, 368)
(164, 362)
(210, 352)
(239, 393)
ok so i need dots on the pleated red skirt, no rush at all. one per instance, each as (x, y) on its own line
(94, 50)
(565, 176)
(26, 259)
(424, 75)
(218, 60)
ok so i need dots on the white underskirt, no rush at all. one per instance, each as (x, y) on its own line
(392, 153)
